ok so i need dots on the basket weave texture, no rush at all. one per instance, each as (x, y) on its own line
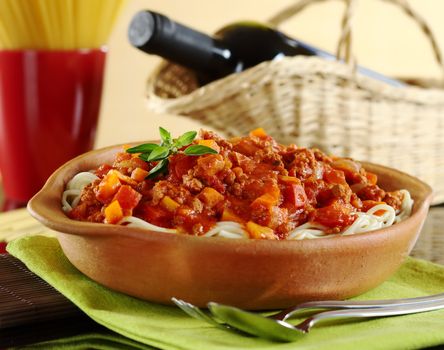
(312, 102)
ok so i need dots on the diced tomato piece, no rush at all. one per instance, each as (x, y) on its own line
(156, 215)
(294, 196)
(103, 170)
(113, 213)
(335, 215)
(368, 204)
(127, 197)
(371, 192)
(181, 164)
(348, 166)
(246, 146)
(333, 176)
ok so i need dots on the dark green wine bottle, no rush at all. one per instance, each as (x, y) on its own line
(231, 50)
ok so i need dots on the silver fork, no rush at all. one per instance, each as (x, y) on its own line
(353, 304)
(197, 313)
(275, 328)
(265, 327)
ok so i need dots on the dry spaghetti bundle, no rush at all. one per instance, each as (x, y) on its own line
(56, 24)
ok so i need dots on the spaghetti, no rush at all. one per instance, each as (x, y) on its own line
(57, 24)
(331, 196)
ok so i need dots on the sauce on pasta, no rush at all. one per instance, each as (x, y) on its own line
(252, 188)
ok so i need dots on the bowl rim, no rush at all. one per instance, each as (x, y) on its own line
(45, 206)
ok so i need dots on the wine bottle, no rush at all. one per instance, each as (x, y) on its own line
(232, 49)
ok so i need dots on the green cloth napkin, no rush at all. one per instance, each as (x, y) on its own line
(167, 327)
(91, 341)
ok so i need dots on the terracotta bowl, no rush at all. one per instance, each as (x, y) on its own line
(252, 274)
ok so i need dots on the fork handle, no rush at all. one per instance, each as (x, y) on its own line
(375, 312)
(354, 304)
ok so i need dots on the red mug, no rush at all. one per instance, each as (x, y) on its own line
(49, 109)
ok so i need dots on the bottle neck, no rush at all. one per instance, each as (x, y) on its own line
(156, 34)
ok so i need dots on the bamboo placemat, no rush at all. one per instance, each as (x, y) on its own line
(25, 298)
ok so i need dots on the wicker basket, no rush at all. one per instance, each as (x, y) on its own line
(317, 103)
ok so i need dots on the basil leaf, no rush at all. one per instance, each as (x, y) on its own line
(158, 153)
(145, 148)
(185, 139)
(160, 168)
(144, 156)
(198, 150)
(165, 136)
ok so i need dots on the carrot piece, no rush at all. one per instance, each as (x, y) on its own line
(113, 213)
(229, 215)
(372, 178)
(139, 174)
(266, 199)
(210, 197)
(259, 232)
(108, 187)
(169, 204)
(289, 179)
(259, 132)
(209, 143)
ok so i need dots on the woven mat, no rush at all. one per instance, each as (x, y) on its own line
(430, 245)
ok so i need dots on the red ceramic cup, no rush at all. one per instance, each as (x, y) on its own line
(49, 108)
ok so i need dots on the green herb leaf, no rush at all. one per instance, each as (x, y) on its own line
(151, 152)
(160, 168)
(145, 148)
(199, 150)
(144, 156)
(158, 153)
(185, 139)
(165, 136)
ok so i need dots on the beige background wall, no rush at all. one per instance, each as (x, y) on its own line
(385, 40)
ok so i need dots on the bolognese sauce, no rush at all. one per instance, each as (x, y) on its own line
(268, 188)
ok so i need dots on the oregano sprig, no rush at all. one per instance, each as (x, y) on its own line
(152, 152)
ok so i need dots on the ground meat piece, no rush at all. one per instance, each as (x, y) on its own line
(164, 188)
(197, 205)
(245, 163)
(221, 142)
(193, 184)
(305, 165)
(342, 192)
(394, 199)
(321, 156)
(371, 192)
(89, 208)
(268, 156)
(229, 177)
